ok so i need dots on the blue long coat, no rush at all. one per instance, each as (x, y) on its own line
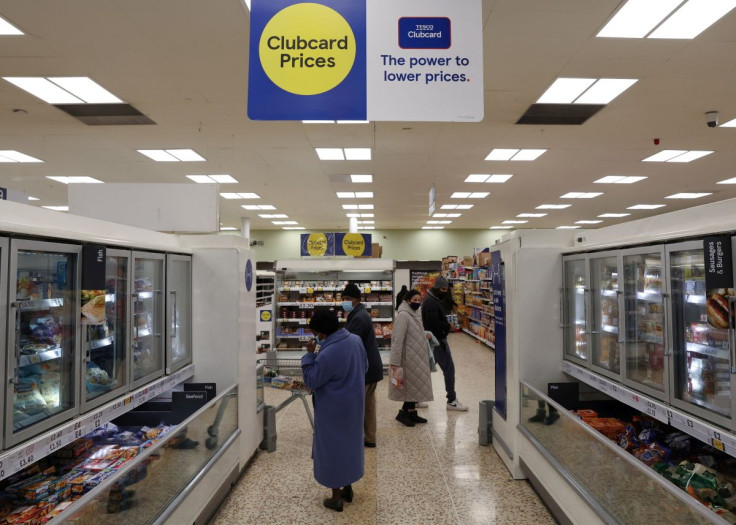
(337, 377)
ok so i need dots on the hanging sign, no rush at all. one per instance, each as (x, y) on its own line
(317, 244)
(405, 60)
(718, 279)
(342, 244)
(93, 267)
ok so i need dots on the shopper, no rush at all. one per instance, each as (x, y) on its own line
(400, 296)
(435, 320)
(336, 376)
(448, 302)
(360, 323)
(409, 351)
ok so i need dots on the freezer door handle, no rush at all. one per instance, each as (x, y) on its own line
(620, 299)
(173, 314)
(665, 313)
(562, 308)
(16, 365)
(731, 337)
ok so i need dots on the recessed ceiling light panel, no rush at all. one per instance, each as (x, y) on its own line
(688, 195)
(6, 28)
(361, 179)
(565, 90)
(532, 215)
(613, 215)
(637, 18)
(553, 206)
(646, 206)
(694, 17)
(10, 155)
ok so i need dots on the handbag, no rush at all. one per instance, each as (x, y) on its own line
(397, 376)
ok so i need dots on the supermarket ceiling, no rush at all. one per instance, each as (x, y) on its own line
(183, 65)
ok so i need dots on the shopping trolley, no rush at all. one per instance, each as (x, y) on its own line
(286, 374)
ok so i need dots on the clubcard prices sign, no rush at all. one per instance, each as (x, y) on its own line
(390, 60)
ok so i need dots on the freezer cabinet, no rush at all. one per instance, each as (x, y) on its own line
(178, 312)
(106, 334)
(148, 305)
(606, 296)
(43, 338)
(574, 299)
(701, 334)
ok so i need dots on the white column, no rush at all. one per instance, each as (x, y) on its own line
(245, 227)
(353, 225)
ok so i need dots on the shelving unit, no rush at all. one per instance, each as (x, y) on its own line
(473, 293)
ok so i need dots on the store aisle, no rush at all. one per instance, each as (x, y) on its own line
(434, 473)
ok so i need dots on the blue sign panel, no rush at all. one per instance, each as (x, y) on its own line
(424, 33)
(248, 275)
(307, 60)
(499, 312)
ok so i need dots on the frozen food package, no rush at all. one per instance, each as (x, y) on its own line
(28, 399)
(50, 392)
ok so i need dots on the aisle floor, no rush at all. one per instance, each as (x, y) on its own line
(434, 473)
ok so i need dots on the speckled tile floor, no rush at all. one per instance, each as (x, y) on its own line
(435, 473)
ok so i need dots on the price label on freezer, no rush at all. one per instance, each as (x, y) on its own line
(310, 290)
(306, 306)
(718, 444)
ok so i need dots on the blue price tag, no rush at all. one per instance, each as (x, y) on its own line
(424, 33)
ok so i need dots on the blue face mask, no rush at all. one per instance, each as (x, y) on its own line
(318, 340)
(348, 306)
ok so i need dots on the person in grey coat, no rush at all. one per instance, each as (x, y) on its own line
(409, 351)
(360, 323)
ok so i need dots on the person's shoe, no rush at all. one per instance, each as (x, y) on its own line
(369, 445)
(457, 405)
(347, 494)
(552, 417)
(416, 417)
(538, 417)
(423, 404)
(334, 504)
(404, 418)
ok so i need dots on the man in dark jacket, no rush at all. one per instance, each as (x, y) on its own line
(361, 324)
(435, 320)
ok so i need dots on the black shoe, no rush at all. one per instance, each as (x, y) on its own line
(347, 494)
(539, 417)
(551, 418)
(416, 417)
(334, 504)
(404, 418)
(369, 445)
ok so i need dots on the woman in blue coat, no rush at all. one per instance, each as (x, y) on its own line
(336, 376)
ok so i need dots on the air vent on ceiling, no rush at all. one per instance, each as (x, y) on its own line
(106, 114)
(563, 114)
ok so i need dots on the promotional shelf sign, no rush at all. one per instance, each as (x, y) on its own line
(341, 244)
(390, 60)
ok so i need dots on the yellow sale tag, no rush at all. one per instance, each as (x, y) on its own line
(310, 290)
(718, 444)
(367, 289)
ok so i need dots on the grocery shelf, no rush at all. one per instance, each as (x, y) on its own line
(484, 341)
(101, 343)
(720, 353)
(40, 357)
(39, 304)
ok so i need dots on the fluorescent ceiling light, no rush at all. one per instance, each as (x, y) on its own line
(693, 18)
(352, 215)
(10, 155)
(500, 227)
(728, 181)
(292, 227)
(588, 222)
(688, 195)
(262, 207)
(223, 179)
(676, 155)
(460, 195)
(367, 215)
(618, 179)
(212, 179)
(528, 154)
(433, 227)
(86, 89)
(33, 198)
(330, 153)
(201, 179)
(514, 222)
(349, 206)
(361, 179)
(729, 124)
(478, 195)
(240, 196)
(498, 179)
(446, 215)
(365, 206)
(76, 180)
(357, 154)
(637, 18)
(605, 90)
(567, 227)
(580, 195)
(613, 215)
(553, 206)
(355, 195)
(228, 229)
(65, 90)
(345, 195)
(172, 155)
(366, 227)
(532, 215)
(6, 28)
(57, 208)
(515, 154)
(565, 90)
(646, 206)
(477, 178)
(273, 216)
(318, 121)
(464, 206)
(284, 223)
(353, 121)
(448, 207)
(360, 215)
(454, 215)
(366, 222)
(439, 222)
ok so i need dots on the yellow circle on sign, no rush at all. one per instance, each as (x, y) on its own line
(317, 244)
(266, 315)
(307, 49)
(353, 244)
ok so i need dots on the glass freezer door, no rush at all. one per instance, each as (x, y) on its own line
(148, 317)
(605, 295)
(700, 336)
(42, 338)
(575, 309)
(644, 293)
(178, 312)
(105, 333)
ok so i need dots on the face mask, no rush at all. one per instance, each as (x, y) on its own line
(318, 340)
(348, 306)
(415, 306)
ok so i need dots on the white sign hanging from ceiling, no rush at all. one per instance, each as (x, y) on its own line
(390, 60)
(425, 60)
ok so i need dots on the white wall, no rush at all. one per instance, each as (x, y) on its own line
(413, 245)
